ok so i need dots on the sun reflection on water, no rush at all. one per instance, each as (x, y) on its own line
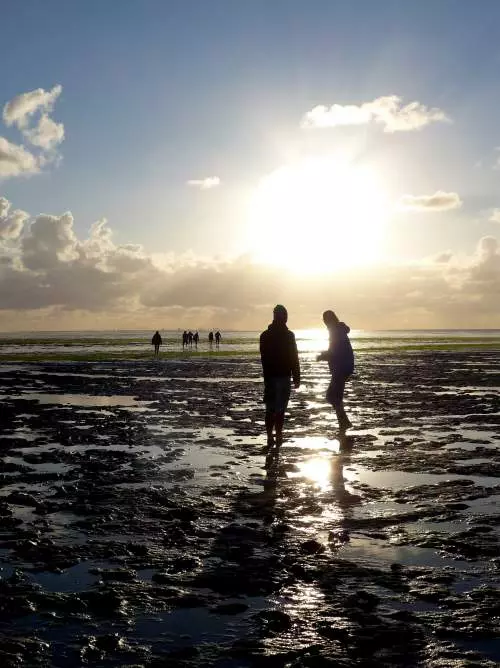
(317, 470)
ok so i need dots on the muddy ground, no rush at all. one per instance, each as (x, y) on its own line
(140, 527)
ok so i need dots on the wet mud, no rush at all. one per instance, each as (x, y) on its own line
(142, 524)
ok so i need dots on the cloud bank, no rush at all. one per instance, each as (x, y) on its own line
(52, 279)
(30, 114)
(495, 216)
(387, 111)
(439, 201)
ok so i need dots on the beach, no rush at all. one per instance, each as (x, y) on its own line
(140, 527)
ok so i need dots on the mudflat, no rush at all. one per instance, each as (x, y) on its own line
(139, 525)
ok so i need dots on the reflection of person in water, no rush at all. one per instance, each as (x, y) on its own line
(340, 358)
(342, 497)
(156, 341)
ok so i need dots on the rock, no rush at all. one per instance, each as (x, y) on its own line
(137, 549)
(184, 564)
(312, 547)
(22, 499)
(109, 642)
(273, 621)
(363, 600)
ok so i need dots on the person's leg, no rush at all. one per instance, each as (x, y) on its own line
(283, 388)
(270, 423)
(335, 396)
(343, 420)
(270, 403)
(279, 421)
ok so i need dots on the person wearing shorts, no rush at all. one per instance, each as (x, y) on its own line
(280, 363)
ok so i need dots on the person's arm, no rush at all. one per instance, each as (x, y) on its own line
(326, 355)
(264, 355)
(295, 361)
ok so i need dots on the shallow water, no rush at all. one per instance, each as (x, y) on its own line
(155, 495)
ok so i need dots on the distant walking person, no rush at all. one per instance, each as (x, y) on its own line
(196, 338)
(340, 358)
(218, 337)
(156, 341)
(184, 339)
(190, 338)
(211, 339)
(280, 360)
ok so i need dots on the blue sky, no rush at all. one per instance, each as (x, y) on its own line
(156, 93)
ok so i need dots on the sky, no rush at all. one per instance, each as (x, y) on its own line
(190, 164)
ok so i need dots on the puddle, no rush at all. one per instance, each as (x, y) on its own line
(83, 400)
(369, 551)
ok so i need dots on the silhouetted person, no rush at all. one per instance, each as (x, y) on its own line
(196, 338)
(280, 360)
(211, 339)
(184, 339)
(218, 337)
(340, 358)
(190, 338)
(156, 341)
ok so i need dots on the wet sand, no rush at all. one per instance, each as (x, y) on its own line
(139, 527)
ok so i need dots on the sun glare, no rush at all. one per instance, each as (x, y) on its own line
(318, 215)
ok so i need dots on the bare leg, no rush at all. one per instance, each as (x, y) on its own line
(335, 395)
(270, 422)
(280, 419)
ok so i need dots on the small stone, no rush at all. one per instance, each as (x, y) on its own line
(312, 547)
(274, 621)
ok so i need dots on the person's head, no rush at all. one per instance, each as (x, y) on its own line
(330, 319)
(280, 314)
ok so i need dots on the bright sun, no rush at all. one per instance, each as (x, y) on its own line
(318, 215)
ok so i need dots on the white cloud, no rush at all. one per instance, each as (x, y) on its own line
(19, 110)
(51, 276)
(16, 160)
(387, 111)
(439, 201)
(207, 183)
(495, 216)
(47, 134)
(11, 222)
(29, 113)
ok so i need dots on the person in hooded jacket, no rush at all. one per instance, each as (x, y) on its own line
(280, 361)
(340, 358)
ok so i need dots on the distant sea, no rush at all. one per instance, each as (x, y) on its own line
(308, 340)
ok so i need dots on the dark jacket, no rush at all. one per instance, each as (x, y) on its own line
(156, 340)
(339, 355)
(278, 352)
